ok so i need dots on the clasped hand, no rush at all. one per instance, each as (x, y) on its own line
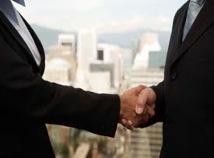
(137, 106)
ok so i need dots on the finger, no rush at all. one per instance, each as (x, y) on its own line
(151, 111)
(138, 121)
(124, 122)
(145, 118)
(141, 102)
(148, 113)
(130, 125)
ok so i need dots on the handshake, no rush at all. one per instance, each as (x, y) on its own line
(137, 106)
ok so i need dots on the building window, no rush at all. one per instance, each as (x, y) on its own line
(100, 55)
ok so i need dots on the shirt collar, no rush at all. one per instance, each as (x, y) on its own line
(199, 2)
(21, 2)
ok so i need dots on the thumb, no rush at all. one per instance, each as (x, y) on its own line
(141, 102)
(138, 89)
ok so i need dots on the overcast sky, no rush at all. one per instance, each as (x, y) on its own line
(104, 15)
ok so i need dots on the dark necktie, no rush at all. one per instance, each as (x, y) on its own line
(193, 10)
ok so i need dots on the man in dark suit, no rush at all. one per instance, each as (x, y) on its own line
(184, 100)
(27, 101)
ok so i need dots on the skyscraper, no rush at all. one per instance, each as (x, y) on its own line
(61, 68)
(86, 51)
(146, 43)
(146, 143)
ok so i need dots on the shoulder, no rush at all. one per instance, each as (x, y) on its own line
(182, 9)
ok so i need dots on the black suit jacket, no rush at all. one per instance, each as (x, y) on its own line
(27, 101)
(185, 99)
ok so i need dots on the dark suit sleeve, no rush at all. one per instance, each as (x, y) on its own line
(23, 92)
(159, 109)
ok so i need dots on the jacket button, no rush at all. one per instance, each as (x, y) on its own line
(173, 75)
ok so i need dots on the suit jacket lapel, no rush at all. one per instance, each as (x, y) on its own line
(13, 33)
(201, 24)
(39, 46)
(176, 36)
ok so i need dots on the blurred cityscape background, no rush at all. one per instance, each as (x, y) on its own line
(80, 60)
(107, 58)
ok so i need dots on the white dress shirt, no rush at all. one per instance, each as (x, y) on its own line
(7, 8)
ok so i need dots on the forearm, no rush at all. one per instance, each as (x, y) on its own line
(25, 93)
(97, 113)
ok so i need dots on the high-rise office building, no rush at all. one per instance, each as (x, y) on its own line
(146, 143)
(112, 54)
(146, 43)
(61, 68)
(68, 40)
(147, 70)
(86, 51)
(61, 60)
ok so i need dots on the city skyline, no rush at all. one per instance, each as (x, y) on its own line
(104, 15)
